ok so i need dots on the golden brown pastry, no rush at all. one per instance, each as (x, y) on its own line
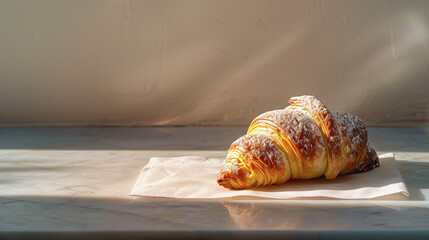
(303, 141)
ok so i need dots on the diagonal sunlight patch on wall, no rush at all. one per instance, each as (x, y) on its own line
(239, 75)
(390, 62)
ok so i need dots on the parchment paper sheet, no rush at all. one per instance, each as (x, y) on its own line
(195, 177)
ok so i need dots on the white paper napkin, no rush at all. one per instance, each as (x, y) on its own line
(195, 177)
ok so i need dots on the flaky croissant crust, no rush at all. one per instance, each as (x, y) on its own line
(304, 140)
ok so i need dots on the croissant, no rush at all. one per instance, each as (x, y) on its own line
(303, 141)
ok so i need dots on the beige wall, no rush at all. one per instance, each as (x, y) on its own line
(210, 62)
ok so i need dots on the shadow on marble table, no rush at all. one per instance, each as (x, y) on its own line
(120, 138)
(414, 139)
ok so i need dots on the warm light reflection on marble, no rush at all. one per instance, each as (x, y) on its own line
(282, 216)
(253, 216)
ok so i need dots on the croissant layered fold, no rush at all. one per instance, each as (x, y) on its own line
(303, 141)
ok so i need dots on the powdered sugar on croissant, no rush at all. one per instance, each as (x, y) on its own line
(303, 141)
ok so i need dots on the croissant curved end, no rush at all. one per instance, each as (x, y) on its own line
(369, 160)
(224, 181)
(237, 180)
(374, 161)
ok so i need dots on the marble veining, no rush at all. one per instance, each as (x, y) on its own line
(69, 182)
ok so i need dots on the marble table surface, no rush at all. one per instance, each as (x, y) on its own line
(75, 183)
